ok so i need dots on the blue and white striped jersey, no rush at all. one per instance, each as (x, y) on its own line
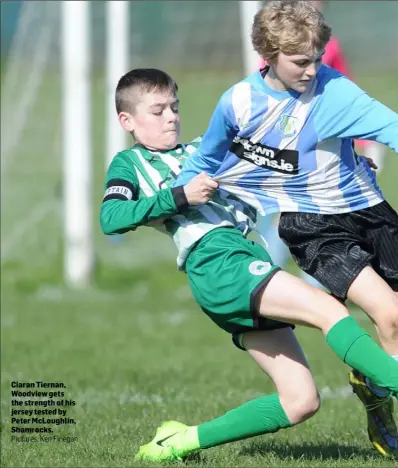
(286, 151)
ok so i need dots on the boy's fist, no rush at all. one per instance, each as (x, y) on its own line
(200, 189)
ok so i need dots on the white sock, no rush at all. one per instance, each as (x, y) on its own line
(378, 391)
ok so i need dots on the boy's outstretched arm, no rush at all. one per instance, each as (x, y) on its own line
(351, 113)
(215, 143)
(123, 210)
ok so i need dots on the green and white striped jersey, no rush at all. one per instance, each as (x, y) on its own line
(139, 192)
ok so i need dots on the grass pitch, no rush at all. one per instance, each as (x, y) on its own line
(134, 356)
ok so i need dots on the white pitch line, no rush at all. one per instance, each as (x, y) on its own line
(328, 393)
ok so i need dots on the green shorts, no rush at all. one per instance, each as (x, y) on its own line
(226, 271)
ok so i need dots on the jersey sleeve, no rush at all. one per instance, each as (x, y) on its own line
(214, 145)
(346, 111)
(122, 210)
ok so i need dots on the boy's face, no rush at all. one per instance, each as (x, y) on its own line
(297, 71)
(156, 120)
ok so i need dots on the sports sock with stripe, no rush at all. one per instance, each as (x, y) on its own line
(376, 389)
(356, 348)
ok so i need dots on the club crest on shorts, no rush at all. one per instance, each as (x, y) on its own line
(287, 125)
(259, 268)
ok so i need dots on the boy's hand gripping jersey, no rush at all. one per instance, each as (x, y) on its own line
(138, 193)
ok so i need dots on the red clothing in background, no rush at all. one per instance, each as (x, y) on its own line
(334, 57)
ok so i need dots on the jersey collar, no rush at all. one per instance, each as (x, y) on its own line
(259, 78)
(139, 145)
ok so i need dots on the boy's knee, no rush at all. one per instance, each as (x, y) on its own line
(307, 406)
(300, 407)
(394, 322)
(388, 322)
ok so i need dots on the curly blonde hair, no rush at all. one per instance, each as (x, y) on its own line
(291, 27)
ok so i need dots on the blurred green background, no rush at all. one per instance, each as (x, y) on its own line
(134, 348)
(196, 42)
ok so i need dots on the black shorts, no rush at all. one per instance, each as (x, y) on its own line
(334, 249)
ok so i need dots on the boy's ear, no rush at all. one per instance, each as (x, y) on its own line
(126, 121)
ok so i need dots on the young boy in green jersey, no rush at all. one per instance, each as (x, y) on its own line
(209, 228)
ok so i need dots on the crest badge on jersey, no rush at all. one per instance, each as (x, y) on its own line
(259, 268)
(287, 125)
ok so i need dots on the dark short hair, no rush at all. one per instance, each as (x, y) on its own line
(145, 80)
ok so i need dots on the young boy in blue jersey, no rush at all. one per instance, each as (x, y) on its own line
(215, 254)
(282, 140)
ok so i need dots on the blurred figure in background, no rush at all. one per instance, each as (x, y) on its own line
(333, 57)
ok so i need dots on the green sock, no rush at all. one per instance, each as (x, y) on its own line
(255, 417)
(376, 389)
(355, 347)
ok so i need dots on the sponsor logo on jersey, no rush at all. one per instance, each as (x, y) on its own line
(259, 268)
(285, 161)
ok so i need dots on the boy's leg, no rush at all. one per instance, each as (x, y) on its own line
(374, 296)
(279, 355)
(339, 249)
(374, 290)
(311, 280)
(373, 287)
(290, 299)
(381, 305)
(333, 248)
(352, 344)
